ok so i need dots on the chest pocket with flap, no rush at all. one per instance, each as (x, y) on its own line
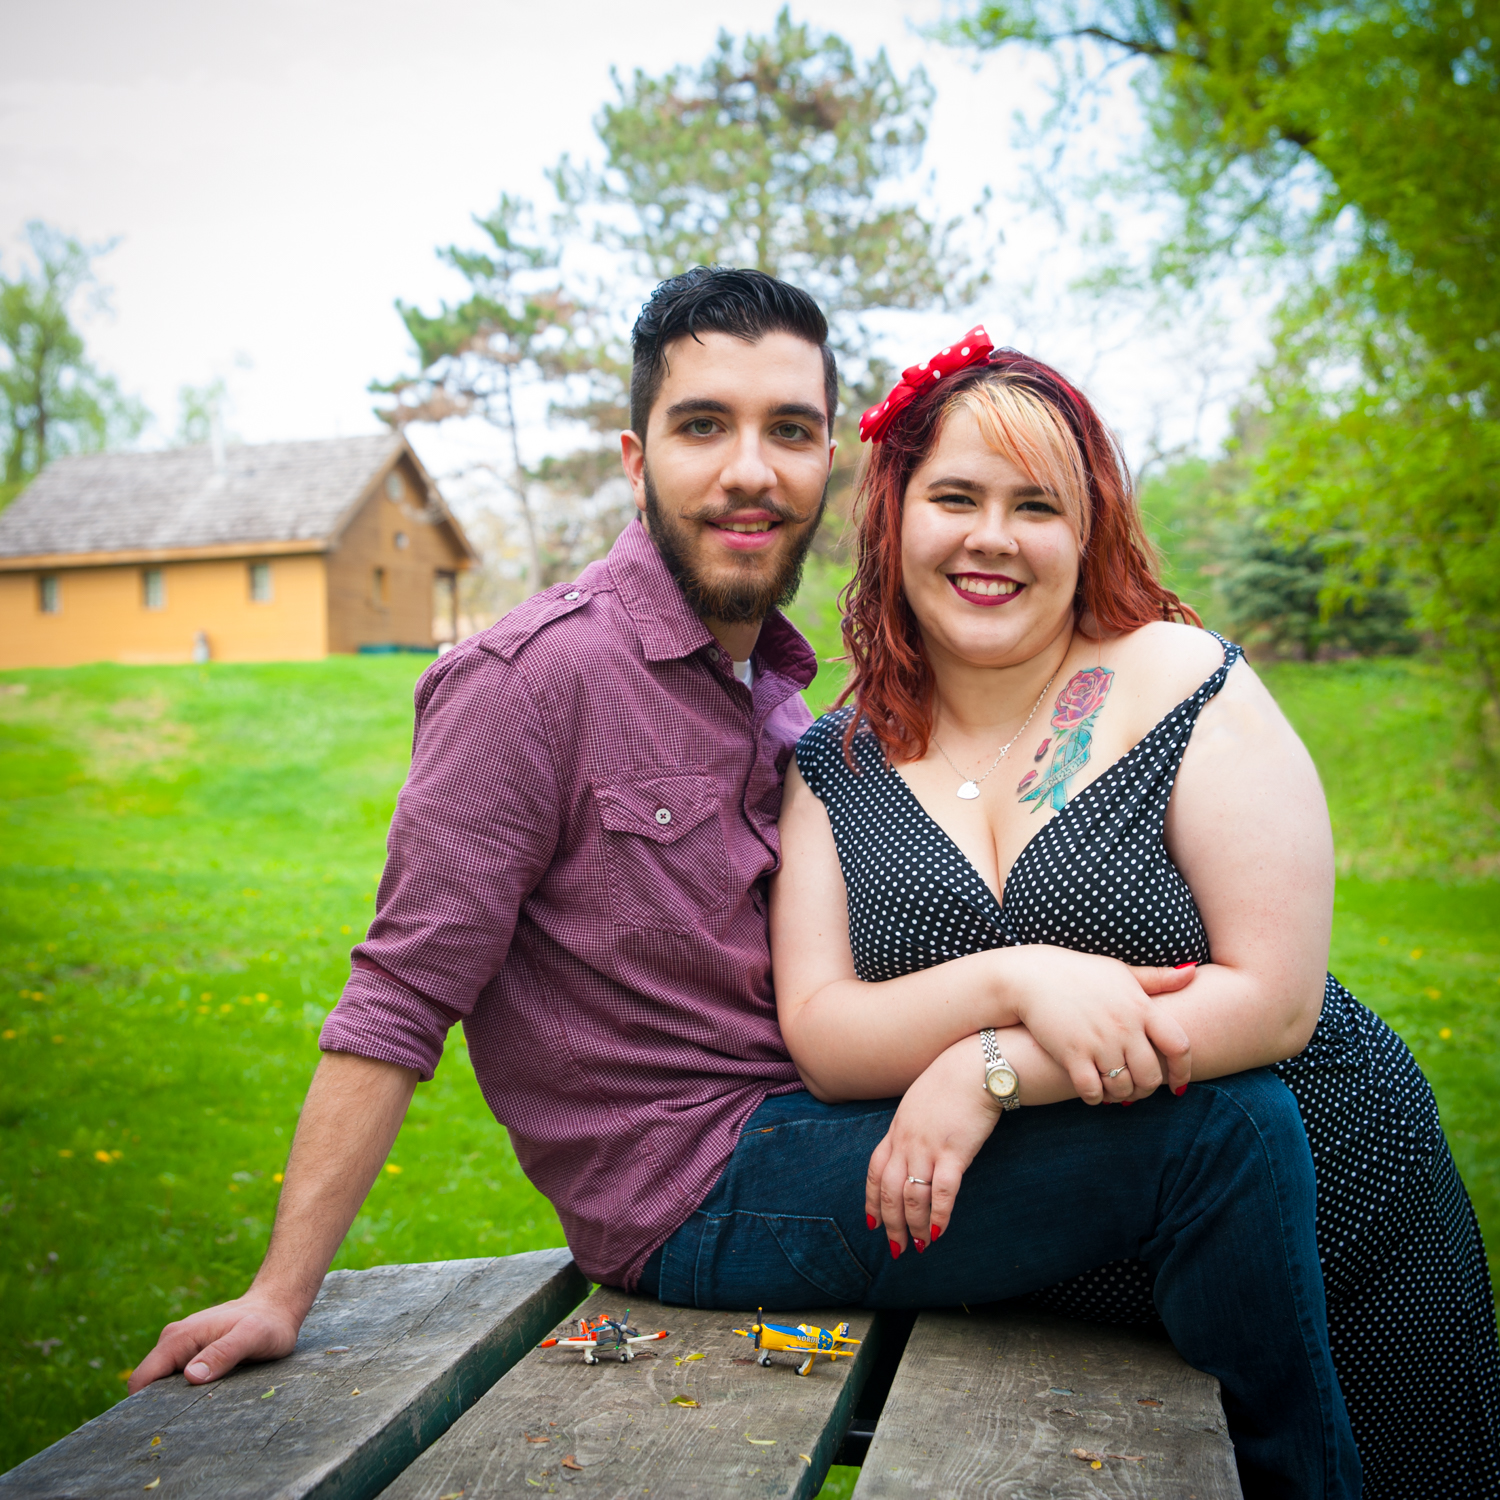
(664, 844)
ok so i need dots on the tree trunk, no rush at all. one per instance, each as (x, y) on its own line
(534, 578)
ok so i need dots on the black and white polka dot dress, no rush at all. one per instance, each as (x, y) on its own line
(1410, 1312)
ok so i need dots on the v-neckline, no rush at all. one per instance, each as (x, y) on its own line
(998, 902)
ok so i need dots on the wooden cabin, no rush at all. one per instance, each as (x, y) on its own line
(262, 552)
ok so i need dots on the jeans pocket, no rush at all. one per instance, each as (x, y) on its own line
(777, 1261)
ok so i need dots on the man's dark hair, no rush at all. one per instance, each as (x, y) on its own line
(721, 299)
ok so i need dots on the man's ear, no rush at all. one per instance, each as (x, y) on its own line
(633, 458)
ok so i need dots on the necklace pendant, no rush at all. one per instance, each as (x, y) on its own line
(969, 790)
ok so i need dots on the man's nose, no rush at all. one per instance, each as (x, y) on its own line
(748, 469)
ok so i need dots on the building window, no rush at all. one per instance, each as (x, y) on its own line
(393, 486)
(445, 607)
(377, 587)
(153, 589)
(401, 539)
(49, 594)
(260, 583)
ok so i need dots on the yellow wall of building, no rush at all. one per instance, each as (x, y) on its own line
(104, 617)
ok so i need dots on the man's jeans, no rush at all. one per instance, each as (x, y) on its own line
(1213, 1191)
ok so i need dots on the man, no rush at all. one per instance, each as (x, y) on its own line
(577, 872)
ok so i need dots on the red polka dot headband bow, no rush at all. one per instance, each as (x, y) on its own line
(972, 349)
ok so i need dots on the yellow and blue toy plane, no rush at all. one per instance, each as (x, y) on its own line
(801, 1338)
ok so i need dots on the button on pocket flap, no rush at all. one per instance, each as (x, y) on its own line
(657, 807)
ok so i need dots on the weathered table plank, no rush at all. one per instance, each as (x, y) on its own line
(387, 1359)
(992, 1404)
(555, 1424)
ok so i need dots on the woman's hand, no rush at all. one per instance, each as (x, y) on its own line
(1094, 1016)
(943, 1120)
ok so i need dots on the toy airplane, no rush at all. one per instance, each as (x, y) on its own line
(779, 1338)
(604, 1335)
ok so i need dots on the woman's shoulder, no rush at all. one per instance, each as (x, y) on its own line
(1163, 664)
(820, 751)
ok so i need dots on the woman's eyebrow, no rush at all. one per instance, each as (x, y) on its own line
(955, 482)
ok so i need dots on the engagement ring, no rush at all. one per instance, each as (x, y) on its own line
(1115, 1072)
(920, 1182)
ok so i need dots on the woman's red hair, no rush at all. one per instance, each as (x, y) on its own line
(891, 681)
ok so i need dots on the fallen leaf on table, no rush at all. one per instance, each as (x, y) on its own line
(1147, 1401)
(1084, 1454)
(1130, 1458)
(153, 1483)
(156, 1441)
(571, 1463)
(1096, 1464)
(1062, 1411)
(805, 1459)
(742, 1361)
(1060, 1390)
(761, 1442)
(452, 1495)
(531, 1439)
(344, 1349)
(268, 1394)
(356, 1392)
(682, 1401)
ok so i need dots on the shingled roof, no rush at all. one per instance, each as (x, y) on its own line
(179, 501)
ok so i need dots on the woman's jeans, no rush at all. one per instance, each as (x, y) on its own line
(1213, 1191)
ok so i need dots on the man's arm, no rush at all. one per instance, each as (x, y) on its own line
(353, 1110)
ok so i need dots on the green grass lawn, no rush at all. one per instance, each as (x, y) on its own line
(186, 855)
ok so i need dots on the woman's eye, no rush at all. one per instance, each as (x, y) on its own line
(959, 500)
(1042, 507)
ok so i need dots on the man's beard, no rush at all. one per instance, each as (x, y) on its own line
(734, 601)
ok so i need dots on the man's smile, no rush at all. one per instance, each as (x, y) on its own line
(748, 530)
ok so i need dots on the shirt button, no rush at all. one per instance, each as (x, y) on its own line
(571, 595)
(663, 816)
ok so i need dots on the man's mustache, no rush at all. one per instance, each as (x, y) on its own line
(712, 515)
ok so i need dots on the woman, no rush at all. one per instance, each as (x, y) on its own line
(1038, 764)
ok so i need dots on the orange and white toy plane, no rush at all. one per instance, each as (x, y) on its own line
(604, 1335)
(800, 1338)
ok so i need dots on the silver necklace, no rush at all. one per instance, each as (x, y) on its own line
(970, 788)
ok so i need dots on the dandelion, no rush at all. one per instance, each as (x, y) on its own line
(116, 1155)
(278, 1176)
(58, 1040)
(9, 1036)
(126, 1374)
(64, 1152)
(1416, 953)
(225, 1008)
(346, 928)
(103, 1156)
(1446, 1033)
(261, 997)
(393, 1169)
(202, 1010)
(1385, 942)
(1433, 994)
(206, 995)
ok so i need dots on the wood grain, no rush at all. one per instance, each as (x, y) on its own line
(612, 1430)
(991, 1404)
(386, 1361)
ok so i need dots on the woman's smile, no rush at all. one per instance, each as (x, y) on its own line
(985, 589)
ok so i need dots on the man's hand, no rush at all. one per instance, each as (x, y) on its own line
(212, 1342)
(354, 1108)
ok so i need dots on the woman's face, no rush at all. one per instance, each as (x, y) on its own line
(989, 560)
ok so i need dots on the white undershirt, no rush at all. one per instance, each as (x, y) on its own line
(744, 672)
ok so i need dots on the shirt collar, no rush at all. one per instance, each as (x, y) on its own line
(669, 630)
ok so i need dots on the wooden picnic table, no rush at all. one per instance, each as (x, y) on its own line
(425, 1382)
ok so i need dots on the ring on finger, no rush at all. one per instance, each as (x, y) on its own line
(920, 1181)
(1115, 1072)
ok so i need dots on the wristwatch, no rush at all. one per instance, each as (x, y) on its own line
(1000, 1081)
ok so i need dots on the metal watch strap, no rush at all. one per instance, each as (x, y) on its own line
(993, 1059)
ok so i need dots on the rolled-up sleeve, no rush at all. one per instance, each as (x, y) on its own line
(475, 829)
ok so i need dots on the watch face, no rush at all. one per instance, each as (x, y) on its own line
(1001, 1082)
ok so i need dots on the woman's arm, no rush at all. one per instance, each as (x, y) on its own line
(856, 1040)
(1248, 827)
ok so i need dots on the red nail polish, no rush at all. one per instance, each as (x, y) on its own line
(871, 1220)
(937, 1229)
(1192, 965)
(920, 1244)
(1127, 1102)
(895, 1251)
(1181, 1091)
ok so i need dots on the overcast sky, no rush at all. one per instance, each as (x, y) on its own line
(277, 173)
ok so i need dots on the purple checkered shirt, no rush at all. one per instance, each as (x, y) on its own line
(577, 871)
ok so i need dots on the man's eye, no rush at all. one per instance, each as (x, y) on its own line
(702, 426)
(791, 432)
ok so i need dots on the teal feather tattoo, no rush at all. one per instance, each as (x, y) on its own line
(1078, 706)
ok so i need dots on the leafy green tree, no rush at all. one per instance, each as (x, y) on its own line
(52, 399)
(517, 327)
(1364, 137)
(777, 152)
